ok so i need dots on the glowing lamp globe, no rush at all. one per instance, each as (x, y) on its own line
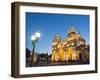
(37, 34)
(33, 37)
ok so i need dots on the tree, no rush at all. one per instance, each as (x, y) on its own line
(27, 53)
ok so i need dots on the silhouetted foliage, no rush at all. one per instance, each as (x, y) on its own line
(27, 53)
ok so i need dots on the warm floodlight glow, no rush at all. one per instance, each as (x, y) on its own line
(33, 37)
(37, 34)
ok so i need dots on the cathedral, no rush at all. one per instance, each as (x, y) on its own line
(72, 48)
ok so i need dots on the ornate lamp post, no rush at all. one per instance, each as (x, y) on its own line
(34, 39)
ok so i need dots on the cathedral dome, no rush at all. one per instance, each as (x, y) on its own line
(72, 30)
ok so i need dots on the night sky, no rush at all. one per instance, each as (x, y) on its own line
(49, 24)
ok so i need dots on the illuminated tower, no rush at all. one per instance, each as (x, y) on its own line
(55, 47)
(74, 40)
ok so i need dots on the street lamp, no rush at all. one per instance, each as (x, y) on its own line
(34, 39)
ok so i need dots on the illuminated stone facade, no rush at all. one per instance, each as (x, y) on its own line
(72, 48)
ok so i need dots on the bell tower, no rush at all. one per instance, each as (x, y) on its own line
(55, 47)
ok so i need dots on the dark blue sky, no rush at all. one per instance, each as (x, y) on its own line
(49, 24)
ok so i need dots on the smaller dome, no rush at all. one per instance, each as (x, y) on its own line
(57, 37)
